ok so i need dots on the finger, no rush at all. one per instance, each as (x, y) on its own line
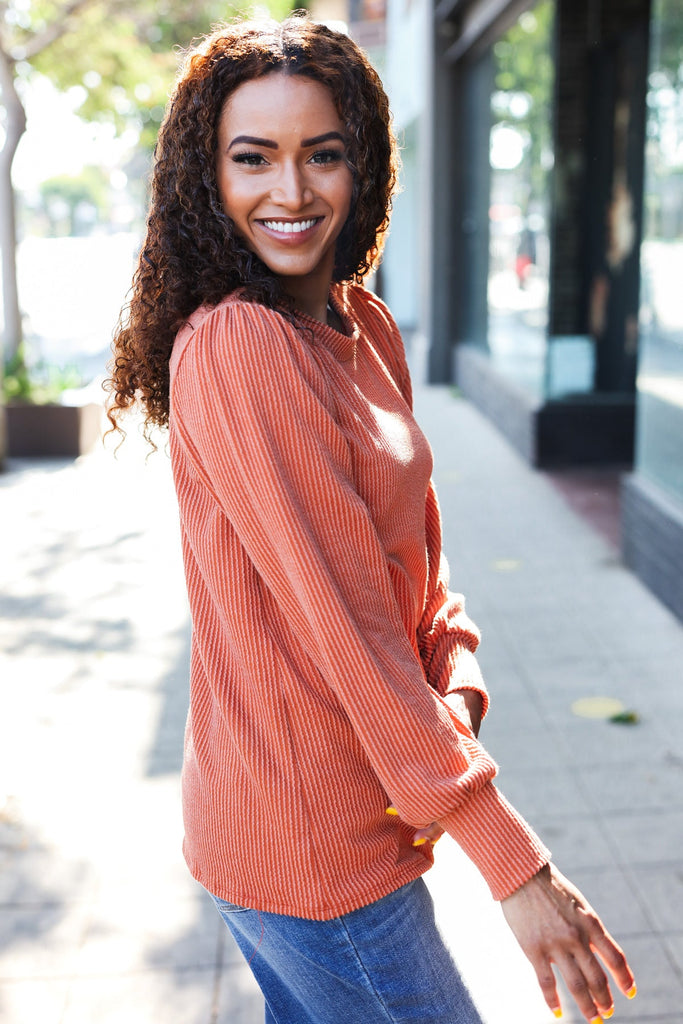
(579, 987)
(548, 984)
(597, 982)
(580, 967)
(431, 834)
(613, 957)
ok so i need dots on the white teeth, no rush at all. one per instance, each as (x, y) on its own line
(290, 227)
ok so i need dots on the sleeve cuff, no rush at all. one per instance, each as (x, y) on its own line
(464, 673)
(497, 840)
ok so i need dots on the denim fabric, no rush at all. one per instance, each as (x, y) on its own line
(383, 964)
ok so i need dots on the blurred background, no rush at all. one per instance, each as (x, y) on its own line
(534, 265)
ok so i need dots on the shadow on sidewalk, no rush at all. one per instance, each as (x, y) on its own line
(165, 754)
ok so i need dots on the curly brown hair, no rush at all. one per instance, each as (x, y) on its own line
(191, 254)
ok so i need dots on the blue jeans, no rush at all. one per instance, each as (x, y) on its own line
(383, 964)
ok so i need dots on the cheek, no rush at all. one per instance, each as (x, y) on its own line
(232, 197)
(345, 194)
(221, 188)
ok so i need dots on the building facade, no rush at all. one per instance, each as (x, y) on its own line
(537, 244)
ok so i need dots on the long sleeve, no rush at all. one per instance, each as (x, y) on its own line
(297, 484)
(447, 638)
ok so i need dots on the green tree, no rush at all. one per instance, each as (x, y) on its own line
(120, 53)
(67, 197)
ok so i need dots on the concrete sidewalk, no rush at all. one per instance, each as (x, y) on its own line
(100, 922)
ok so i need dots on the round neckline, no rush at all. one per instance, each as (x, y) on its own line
(341, 345)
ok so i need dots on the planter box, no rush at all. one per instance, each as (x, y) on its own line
(41, 430)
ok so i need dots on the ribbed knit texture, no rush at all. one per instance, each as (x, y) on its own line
(324, 635)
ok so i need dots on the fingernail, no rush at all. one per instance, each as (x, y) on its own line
(632, 992)
(435, 841)
(596, 1020)
(419, 842)
(391, 810)
(558, 1012)
(608, 1013)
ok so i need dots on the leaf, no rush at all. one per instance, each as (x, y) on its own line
(625, 718)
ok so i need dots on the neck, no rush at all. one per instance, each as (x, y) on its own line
(310, 293)
(317, 309)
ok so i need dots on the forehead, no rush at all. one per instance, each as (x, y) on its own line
(280, 103)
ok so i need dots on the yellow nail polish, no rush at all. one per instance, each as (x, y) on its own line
(392, 810)
(419, 842)
(558, 1012)
(608, 1013)
(596, 1020)
(632, 992)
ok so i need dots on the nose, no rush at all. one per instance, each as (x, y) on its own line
(292, 189)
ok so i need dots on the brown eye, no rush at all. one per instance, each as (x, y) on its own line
(327, 156)
(250, 159)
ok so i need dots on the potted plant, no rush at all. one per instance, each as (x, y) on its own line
(48, 411)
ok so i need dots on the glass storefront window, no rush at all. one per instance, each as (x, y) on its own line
(659, 445)
(521, 158)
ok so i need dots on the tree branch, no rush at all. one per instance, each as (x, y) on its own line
(15, 125)
(4, 7)
(51, 33)
(16, 116)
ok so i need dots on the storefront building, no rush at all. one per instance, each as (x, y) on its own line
(538, 245)
(652, 506)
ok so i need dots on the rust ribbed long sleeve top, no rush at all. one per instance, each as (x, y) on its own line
(324, 636)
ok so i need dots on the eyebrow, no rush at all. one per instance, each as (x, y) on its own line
(253, 140)
(319, 139)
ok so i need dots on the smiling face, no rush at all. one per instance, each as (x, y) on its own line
(284, 181)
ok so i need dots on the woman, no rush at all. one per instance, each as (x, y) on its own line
(335, 698)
